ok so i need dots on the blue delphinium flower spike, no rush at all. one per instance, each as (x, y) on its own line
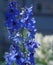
(21, 26)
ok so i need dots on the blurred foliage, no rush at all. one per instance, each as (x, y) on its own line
(3, 63)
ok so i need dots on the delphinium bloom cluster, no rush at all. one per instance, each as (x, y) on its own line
(21, 27)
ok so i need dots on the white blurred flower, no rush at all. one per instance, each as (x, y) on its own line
(45, 50)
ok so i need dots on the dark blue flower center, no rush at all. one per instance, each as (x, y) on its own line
(30, 43)
(11, 11)
(17, 57)
(14, 23)
(31, 54)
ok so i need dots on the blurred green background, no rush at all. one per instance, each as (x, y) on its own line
(43, 13)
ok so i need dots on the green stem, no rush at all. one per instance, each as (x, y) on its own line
(23, 48)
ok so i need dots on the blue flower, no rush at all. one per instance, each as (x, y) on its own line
(28, 12)
(14, 48)
(12, 11)
(30, 57)
(13, 25)
(12, 5)
(10, 57)
(19, 58)
(14, 56)
(30, 45)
